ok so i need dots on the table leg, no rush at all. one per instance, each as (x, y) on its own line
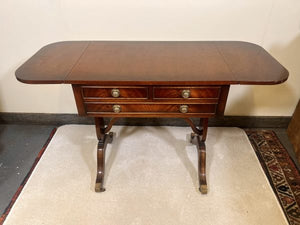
(103, 140)
(199, 141)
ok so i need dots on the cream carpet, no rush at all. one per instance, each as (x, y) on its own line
(151, 178)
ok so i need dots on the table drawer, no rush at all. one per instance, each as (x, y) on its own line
(119, 108)
(186, 92)
(97, 92)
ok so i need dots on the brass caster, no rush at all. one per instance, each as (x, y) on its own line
(98, 188)
(203, 189)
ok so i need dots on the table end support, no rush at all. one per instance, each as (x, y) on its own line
(104, 137)
(199, 141)
(99, 187)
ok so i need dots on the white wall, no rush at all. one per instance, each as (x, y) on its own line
(26, 26)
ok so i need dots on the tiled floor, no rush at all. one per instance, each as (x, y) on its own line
(20, 144)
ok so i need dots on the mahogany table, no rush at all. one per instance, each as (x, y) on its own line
(151, 79)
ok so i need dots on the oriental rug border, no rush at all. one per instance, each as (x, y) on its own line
(280, 169)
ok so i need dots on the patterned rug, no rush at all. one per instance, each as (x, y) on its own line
(280, 169)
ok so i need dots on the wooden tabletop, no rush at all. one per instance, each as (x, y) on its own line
(152, 63)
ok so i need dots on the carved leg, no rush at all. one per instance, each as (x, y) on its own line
(202, 167)
(101, 161)
(104, 139)
(200, 143)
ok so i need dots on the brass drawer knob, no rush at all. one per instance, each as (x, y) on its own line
(184, 109)
(115, 93)
(185, 93)
(116, 108)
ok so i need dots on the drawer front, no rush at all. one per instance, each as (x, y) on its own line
(119, 108)
(96, 92)
(149, 101)
(190, 92)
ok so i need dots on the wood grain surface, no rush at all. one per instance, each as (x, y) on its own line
(152, 63)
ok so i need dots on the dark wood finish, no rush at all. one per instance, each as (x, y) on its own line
(99, 187)
(293, 131)
(201, 148)
(79, 100)
(194, 128)
(199, 141)
(152, 63)
(99, 93)
(195, 92)
(110, 124)
(103, 139)
(100, 127)
(148, 79)
(52, 63)
(209, 101)
(152, 115)
(222, 100)
(146, 94)
(98, 108)
(204, 124)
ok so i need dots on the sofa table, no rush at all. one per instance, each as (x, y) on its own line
(151, 79)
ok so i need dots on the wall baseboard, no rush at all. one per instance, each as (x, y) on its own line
(226, 121)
